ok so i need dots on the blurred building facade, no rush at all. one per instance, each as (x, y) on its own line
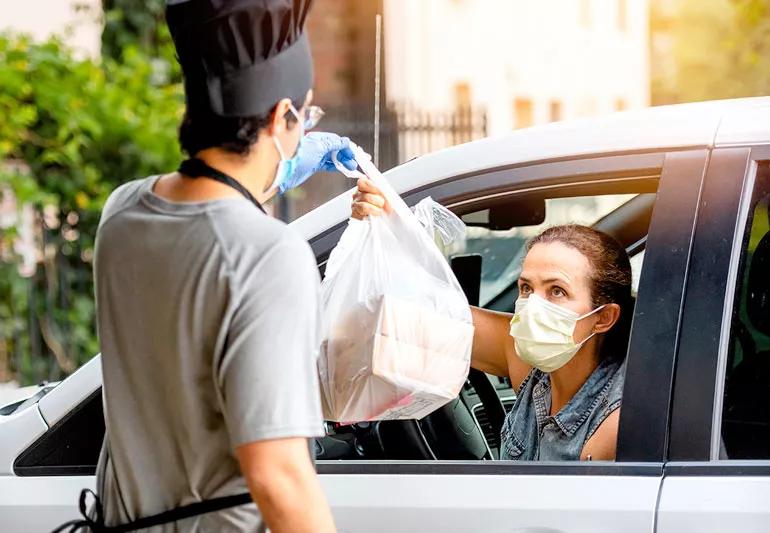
(451, 70)
(67, 18)
(457, 70)
(530, 62)
(526, 62)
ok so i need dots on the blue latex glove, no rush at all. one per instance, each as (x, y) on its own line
(315, 155)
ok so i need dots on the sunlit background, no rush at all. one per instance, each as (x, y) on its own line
(90, 98)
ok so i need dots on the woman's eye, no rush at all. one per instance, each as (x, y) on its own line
(524, 289)
(557, 291)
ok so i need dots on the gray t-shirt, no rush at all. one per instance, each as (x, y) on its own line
(209, 326)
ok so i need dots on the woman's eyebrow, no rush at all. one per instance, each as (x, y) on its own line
(556, 279)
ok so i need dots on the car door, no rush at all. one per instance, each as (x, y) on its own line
(719, 475)
(379, 496)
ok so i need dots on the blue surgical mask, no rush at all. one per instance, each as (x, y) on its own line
(286, 167)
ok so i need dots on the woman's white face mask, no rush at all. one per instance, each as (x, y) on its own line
(543, 333)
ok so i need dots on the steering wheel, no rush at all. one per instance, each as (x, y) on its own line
(450, 432)
(466, 443)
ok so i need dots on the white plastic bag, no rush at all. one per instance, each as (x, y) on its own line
(439, 221)
(399, 332)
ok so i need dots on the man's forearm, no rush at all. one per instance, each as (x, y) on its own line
(291, 501)
(284, 484)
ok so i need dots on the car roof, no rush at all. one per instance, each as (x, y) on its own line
(701, 124)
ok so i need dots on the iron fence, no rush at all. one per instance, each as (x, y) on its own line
(406, 132)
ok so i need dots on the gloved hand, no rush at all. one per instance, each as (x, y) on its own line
(315, 155)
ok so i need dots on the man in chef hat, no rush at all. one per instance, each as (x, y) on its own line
(208, 308)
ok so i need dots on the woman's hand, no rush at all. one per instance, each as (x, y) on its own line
(368, 200)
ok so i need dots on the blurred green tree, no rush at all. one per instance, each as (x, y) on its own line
(72, 130)
(140, 24)
(709, 49)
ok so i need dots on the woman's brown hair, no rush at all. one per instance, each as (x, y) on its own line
(610, 277)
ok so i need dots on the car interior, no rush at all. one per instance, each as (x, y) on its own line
(468, 428)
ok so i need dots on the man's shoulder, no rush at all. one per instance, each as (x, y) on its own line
(122, 197)
(247, 232)
(240, 223)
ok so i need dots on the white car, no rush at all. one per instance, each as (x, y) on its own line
(686, 189)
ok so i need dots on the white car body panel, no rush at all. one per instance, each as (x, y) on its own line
(745, 126)
(521, 503)
(21, 510)
(714, 504)
(85, 381)
(9, 395)
(17, 431)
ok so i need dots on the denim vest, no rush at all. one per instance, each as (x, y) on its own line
(531, 434)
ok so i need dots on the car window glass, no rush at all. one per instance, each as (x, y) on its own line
(746, 407)
(503, 251)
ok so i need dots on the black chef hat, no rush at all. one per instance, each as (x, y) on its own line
(240, 57)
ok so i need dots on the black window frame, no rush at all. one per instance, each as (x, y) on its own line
(643, 430)
(471, 188)
(706, 328)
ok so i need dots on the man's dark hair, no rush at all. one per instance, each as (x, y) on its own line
(201, 130)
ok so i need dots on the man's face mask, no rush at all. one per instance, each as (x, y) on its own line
(286, 167)
(543, 333)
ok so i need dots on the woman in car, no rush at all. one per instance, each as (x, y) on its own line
(563, 348)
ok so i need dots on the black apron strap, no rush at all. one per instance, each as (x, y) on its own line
(96, 525)
(195, 168)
